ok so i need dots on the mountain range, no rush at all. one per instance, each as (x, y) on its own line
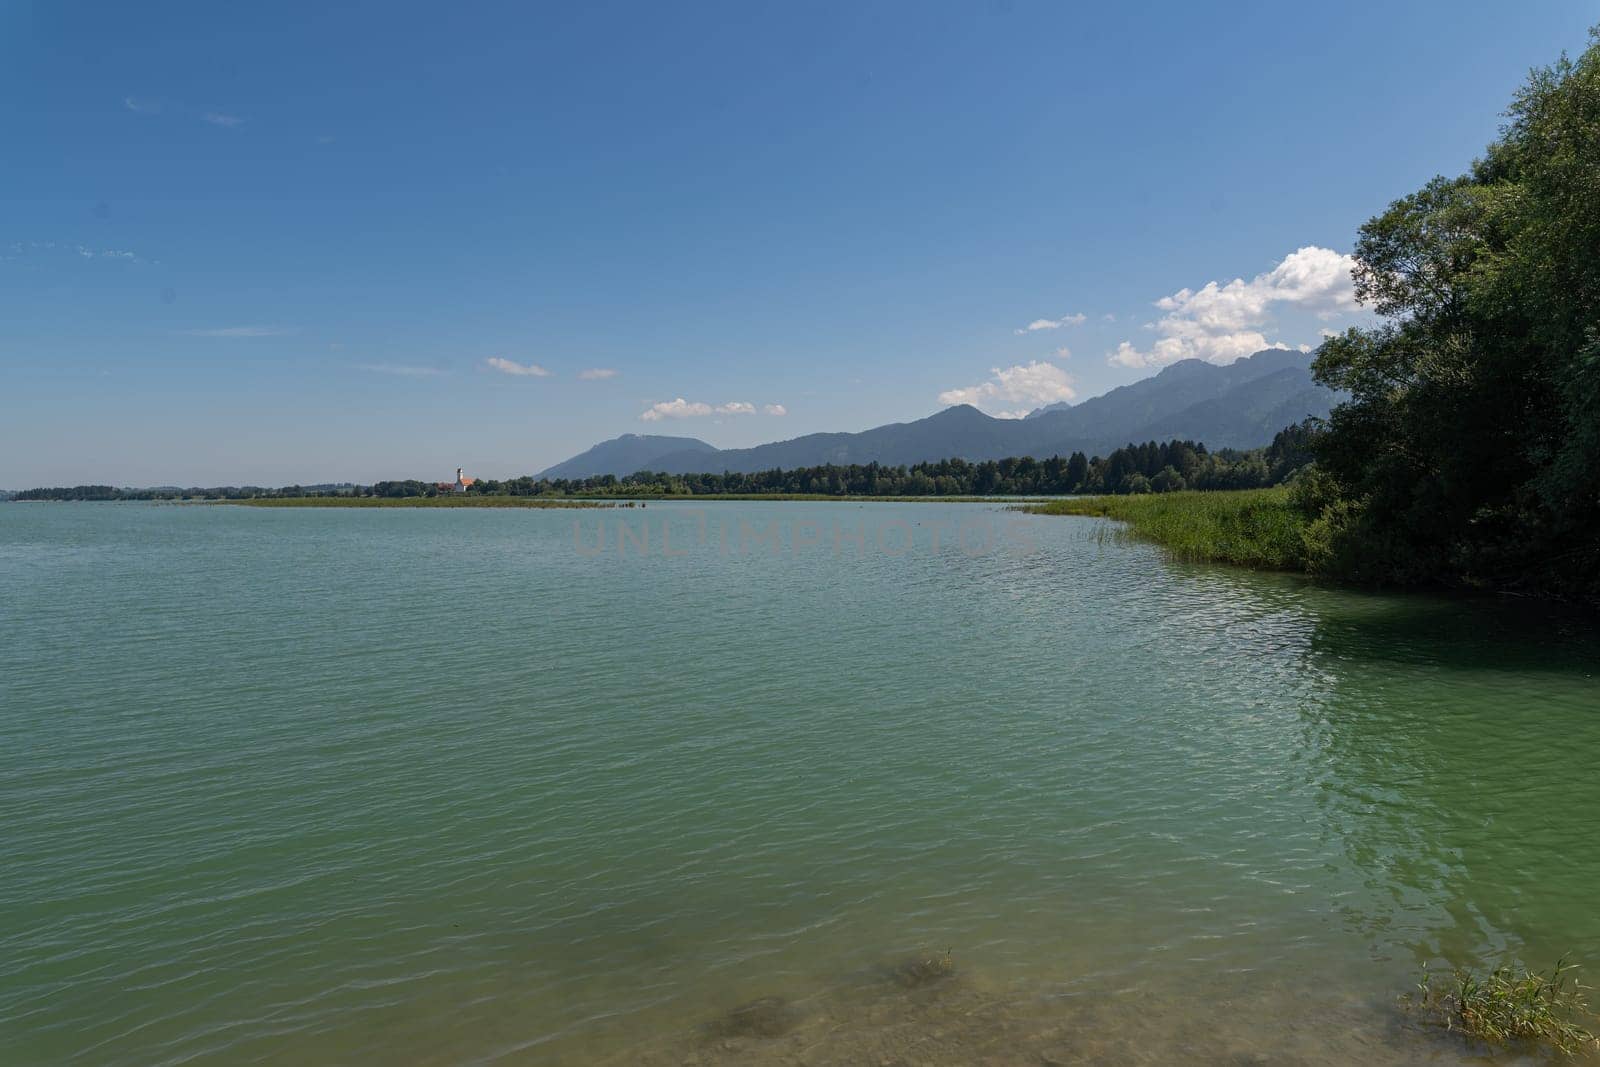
(1239, 405)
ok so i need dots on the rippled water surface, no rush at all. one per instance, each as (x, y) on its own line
(426, 787)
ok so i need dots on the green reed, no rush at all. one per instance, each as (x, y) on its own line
(1510, 1005)
(1250, 527)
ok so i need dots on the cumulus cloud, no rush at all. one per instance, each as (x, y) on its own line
(1063, 352)
(675, 409)
(521, 370)
(217, 118)
(1029, 385)
(596, 374)
(1054, 324)
(242, 331)
(692, 409)
(1221, 322)
(140, 106)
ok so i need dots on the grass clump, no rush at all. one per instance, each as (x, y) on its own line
(1510, 1006)
(1261, 528)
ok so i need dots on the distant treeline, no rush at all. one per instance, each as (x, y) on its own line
(167, 492)
(1152, 467)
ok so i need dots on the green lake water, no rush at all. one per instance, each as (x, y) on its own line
(454, 786)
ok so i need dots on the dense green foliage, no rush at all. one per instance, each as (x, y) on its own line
(1146, 468)
(1254, 528)
(1470, 448)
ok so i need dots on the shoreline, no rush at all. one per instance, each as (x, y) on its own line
(1259, 530)
(484, 501)
(408, 502)
(1256, 528)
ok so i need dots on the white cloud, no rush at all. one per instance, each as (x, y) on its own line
(401, 370)
(1031, 385)
(521, 370)
(596, 374)
(140, 106)
(675, 409)
(217, 118)
(242, 331)
(693, 409)
(1220, 323)
(1063, 352)
(21, 248)
(107, 253)
(1054, 324)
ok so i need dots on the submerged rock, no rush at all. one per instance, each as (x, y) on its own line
(766, 1017)
(921, 970)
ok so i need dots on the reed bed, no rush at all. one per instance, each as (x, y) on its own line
(1258, 528)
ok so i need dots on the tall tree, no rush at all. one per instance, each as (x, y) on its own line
(1470, 447)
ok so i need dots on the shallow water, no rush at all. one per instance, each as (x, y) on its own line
(444, 786)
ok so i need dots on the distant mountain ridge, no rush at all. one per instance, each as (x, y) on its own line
(1240, 405)
(626, 454)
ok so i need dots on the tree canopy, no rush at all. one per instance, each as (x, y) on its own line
(1470, 447)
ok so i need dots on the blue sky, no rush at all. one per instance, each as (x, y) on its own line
(275, 242)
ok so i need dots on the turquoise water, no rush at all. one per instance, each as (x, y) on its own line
(429, 786)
